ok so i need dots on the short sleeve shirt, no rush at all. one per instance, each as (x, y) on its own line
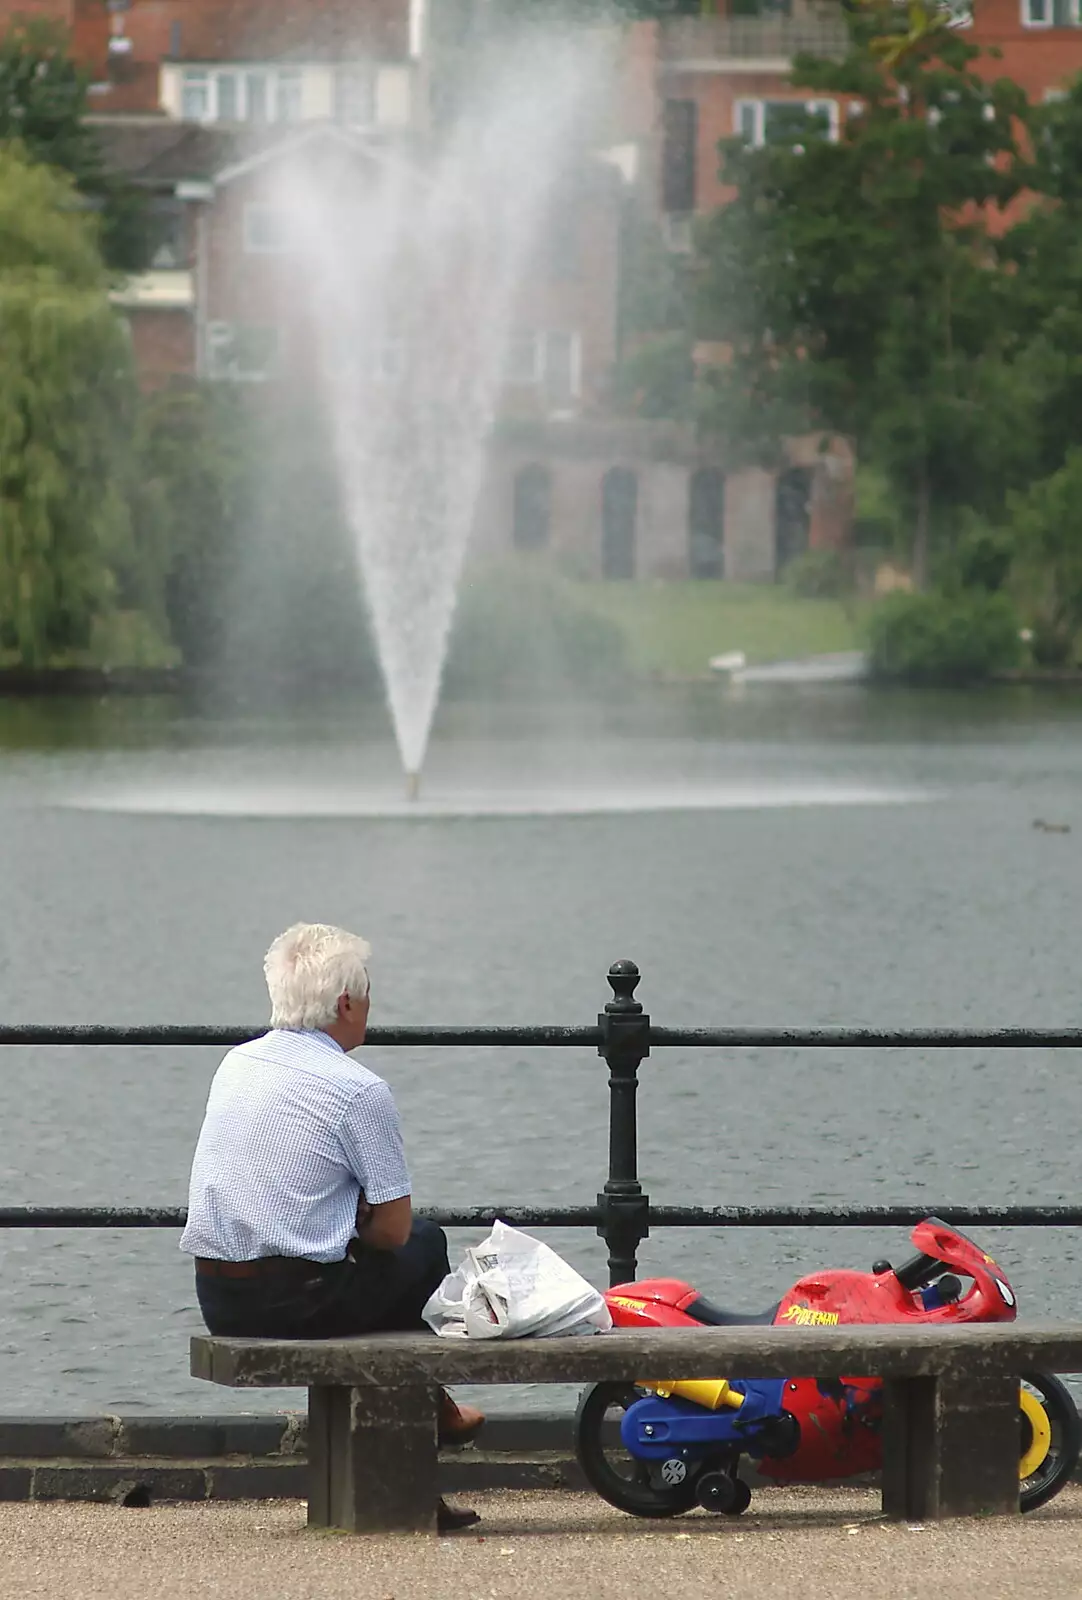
(294, 1130)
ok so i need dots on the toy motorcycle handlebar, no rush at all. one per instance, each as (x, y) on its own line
(919, 1270)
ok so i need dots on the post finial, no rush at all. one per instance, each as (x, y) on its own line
(623, 980)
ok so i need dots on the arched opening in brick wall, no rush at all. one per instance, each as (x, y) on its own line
(619, 518)
(706, 523)
(792, 516)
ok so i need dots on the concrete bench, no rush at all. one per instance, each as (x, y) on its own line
(950, 1425)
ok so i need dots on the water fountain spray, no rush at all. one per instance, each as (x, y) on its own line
(412, 269)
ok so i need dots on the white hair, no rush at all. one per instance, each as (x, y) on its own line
(308, 968)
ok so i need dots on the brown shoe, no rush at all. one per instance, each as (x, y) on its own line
(457, 1424)
(449, 1519)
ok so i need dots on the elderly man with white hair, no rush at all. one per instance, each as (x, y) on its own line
(299, 1210)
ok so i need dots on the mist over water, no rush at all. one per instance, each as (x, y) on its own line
(413, 262)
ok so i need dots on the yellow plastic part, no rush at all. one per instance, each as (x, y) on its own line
(1042, 1434)
(713, 1393)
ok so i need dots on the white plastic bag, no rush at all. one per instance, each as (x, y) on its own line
(513, 1285)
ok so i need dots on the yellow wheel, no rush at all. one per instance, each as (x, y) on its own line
(1050, 1438)
(1039, 1431)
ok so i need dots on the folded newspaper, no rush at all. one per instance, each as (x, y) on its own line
(511, 1286)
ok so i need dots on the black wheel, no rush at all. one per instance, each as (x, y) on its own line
(720, 1492)
(1051, 1437)
(642, 1488)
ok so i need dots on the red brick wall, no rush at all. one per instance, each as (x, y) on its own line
(266, 290)
(1037, 58)
(222, 30)
(163, 343)
(59, 10)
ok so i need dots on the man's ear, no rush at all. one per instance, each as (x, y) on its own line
(342, 1006)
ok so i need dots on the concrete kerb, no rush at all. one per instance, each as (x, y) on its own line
(242, 1457)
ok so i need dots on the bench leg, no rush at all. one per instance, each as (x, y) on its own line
(372, 1459)
(950, 1447)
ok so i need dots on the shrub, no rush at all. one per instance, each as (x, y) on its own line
(519, 628)
(938, 638)
(819, 575)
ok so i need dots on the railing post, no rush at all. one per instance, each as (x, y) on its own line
(624, 1209)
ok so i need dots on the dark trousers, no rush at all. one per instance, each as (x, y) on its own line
(369, 1292)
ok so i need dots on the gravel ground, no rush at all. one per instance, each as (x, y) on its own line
(792, 1543)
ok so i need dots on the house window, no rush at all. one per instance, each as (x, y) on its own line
(266, 230)
(240, 353)
(227, 108)
(195, 97)
(231, 94)
(792, 122)
(168, 224)
(522, 368)
(564, 242)
(289, 97)
(255, 94)
(354, 97)
(532, 524)
(549, 360)
(679, 142)
(1050, 13)
(560, 367)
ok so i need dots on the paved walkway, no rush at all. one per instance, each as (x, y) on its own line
(796, 1544)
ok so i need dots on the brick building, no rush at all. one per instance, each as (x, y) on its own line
(202, 105)
(198, 100)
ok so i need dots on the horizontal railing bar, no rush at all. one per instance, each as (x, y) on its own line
(1053, 1216)
(32, 1034)
(558, 1037)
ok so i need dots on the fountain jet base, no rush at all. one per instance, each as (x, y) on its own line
(413, 785)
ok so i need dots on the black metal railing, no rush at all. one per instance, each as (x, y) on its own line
(623, 1037)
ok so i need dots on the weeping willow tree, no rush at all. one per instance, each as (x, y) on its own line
(66, 415)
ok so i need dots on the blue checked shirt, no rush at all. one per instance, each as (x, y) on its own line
(293, 1131)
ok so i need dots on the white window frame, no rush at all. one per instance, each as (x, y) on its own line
(536, 344)
(197, 79)
(574, 346)
(207, 78)
(523, 341)
(760, 103)
(1050, 22)
(253, 211)
(359, 78)
(219, 336)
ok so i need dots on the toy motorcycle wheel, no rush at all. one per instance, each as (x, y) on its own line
(1051, 1438)
(642, 1488)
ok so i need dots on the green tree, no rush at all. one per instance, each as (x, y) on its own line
(1045, 524)
(43, 105)
(1045, 258)
(854, 281)
(66, 409)
(193, 446)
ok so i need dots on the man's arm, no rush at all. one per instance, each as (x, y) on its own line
(372, 1146)
(386, 1226)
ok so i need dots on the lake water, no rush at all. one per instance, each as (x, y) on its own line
(777, 857)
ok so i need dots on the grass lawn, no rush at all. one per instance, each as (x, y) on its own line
(676, 627)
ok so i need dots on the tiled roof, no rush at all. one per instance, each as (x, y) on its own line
(157, 150)
(313, 30)
(160, 151)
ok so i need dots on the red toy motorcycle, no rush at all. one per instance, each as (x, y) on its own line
(658, 1449)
